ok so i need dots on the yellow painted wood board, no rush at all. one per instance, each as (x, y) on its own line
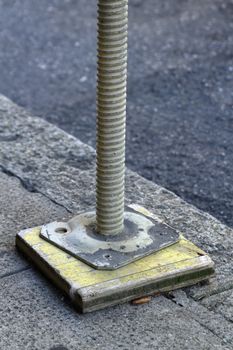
(176, 266)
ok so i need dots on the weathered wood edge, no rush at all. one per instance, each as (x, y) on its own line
(92, 300)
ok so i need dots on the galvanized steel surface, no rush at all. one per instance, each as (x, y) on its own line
(142, 236)
(111, 115)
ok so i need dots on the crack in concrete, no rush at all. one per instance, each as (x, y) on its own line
(30, 187)
(172, 298)
(15, 272)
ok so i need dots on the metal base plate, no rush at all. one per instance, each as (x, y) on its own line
(142, 236)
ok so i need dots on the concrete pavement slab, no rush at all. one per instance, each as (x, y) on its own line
(35, 316)
(215, 321)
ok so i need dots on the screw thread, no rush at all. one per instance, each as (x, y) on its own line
(111, 115)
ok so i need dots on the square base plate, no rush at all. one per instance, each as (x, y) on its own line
(143, 235)
(176, 266)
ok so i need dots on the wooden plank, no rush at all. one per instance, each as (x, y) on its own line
(179, 265)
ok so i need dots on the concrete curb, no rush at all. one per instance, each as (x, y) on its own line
(60, 169)
(54, 163)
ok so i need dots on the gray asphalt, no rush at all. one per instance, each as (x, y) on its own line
(180, 85)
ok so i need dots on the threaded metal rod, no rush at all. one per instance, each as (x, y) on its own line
(111, 115)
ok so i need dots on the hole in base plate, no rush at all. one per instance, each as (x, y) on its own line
(61, 230)
(107, 256)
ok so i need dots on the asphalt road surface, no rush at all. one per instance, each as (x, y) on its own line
(180, 85)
